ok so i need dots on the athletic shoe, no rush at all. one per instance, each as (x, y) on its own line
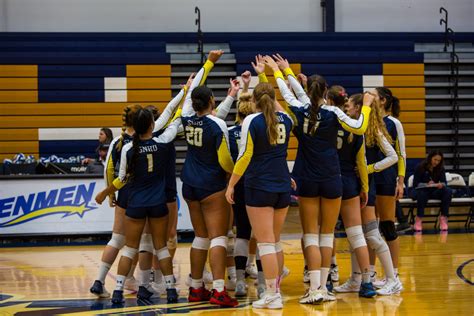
(99, 290)
(207, 276)
(350, 286)
(334, 273)
(240, 288)
(367, 290)
(403, 227)
(328, 296)
(171, 296)
(231, 284)
(314, 297)
(251, 270)
(159, 288)
(329, 285)
(261, 288)
(117, 297)
(443, 223)
(418, 224)
(144, 293)
(391, 287)
(270, 301)
(222, 299)
(131, 284)
(305, 275)
(285, 272)
(199, 295)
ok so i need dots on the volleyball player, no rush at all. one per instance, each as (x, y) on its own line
(142, 165)
(316, 171)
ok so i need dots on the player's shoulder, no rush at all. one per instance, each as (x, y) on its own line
(217, 122)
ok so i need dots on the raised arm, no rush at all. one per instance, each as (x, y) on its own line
(169, 133)
(165, 117)
(361, 163)
(224, 107)
(284, 66)
(259, 67)
(390, 155)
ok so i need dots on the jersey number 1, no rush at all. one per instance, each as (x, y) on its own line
(194, 136)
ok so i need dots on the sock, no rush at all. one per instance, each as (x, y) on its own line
(324, 277)
(366, 277)
(372, 269)
(271, 286)
(333, 260)
(144, 277)
(231, 273)
(120, 282)
(103, 270)
(240, 274)
(218, 285)
(386, 261)
(261, 277)
(196, 283)
(132, 269)
(395, 271)
(356, 273)
(158, 276)
(315, 279)
(250, 259)
(169, 281)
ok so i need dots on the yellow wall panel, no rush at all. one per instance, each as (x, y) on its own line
(412, 117)
(293, 142)
(404, 69)
(60, 121)
(148, 70)
(148, 95)
(409, 93)
(19, 96)
(18, 83)
(19, 147)
(412, 105)
(403, 81)
(18, 134)
(416, 152)
(414, 128)
(148, 83)
(291, 154)
(415, 140)
(18, 71)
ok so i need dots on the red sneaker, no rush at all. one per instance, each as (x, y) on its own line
(223, 299)
(199, 295)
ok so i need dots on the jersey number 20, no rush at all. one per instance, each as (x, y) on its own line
(194, 136)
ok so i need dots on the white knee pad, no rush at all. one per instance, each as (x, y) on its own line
(230, 246)
(220, 241)
(278, 246)
(172, 243)
(374, 239)
(241, 248)
(355, 236)
(146, 243)
(326, 240)
(117, 241)
(266, 248)
(230, 233)
(201, 243)
(129, 252)
(310, 240)
(162, 253)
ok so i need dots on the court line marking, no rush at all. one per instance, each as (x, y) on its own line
(461, 275)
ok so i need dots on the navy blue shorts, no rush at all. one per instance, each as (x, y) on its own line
(122, 197)
(196, 194)
(386, 189)
(331, 189)
(350, 187)
(147, 211)
(260, 198)
(372, 191)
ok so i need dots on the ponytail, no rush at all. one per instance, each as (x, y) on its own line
(127, 121)
(142, 120)
(392, 103)
(264, 95)
(316, 90)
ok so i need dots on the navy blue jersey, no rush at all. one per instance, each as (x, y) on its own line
(264, 165)
(348, 145)
(208, 157)
(112, 162)
(234, 141)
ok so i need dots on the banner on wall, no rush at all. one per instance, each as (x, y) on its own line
(61, 206)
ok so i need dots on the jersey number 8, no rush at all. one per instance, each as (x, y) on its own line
(281, 134)
(194, 136)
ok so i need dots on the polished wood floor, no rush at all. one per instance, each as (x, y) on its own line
(437, 272)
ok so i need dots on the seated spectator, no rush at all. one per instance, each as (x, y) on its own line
(99, 165)
(105, 137)
(429, 182)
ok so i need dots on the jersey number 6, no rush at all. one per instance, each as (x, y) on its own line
(194, 136)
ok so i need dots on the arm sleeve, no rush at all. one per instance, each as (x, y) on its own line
(358, 126)
(361, 163)
(297, 87)
(109, 170)
(223, 153)
(246, 148)
(198, 81)
(169, 134)
(285, 91)
(400, 149)
(121, 180)
(390, 159)
(224, 107)
(262, 77)
(164, 118)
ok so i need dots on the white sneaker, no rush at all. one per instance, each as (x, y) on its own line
(231, 284)
(391, 287)
(270, 301)
(131, 284)
(348, 287)
(261, 288)
(377, 283)
(334, 272)
(314, 297)
(251, 270)
(305, 276)
(285, 272)
(159, 287)
(240, 288)
(328, 296)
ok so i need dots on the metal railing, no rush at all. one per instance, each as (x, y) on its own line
(200, 35)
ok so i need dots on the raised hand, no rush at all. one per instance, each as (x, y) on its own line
(368, 99)
(281, 62)
(271, 63)
(234, 88)
(189, 82)
(246, 77)
(259, 65)
(214, 55)
(303, 80)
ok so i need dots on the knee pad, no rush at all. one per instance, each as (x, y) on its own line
(388, 230)
(355, 236)
(310, 240)
(162, 253)
(278, 246)
(146, 243)
(201, 243)
(230, 246)
(241, 248)
(220, 241)
(117, 241)
(326, 240)
(129, 252)
(266, 248)
(172, 243)
(230, 233)
(374, 239)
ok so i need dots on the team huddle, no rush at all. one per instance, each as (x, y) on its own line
(350, 162)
